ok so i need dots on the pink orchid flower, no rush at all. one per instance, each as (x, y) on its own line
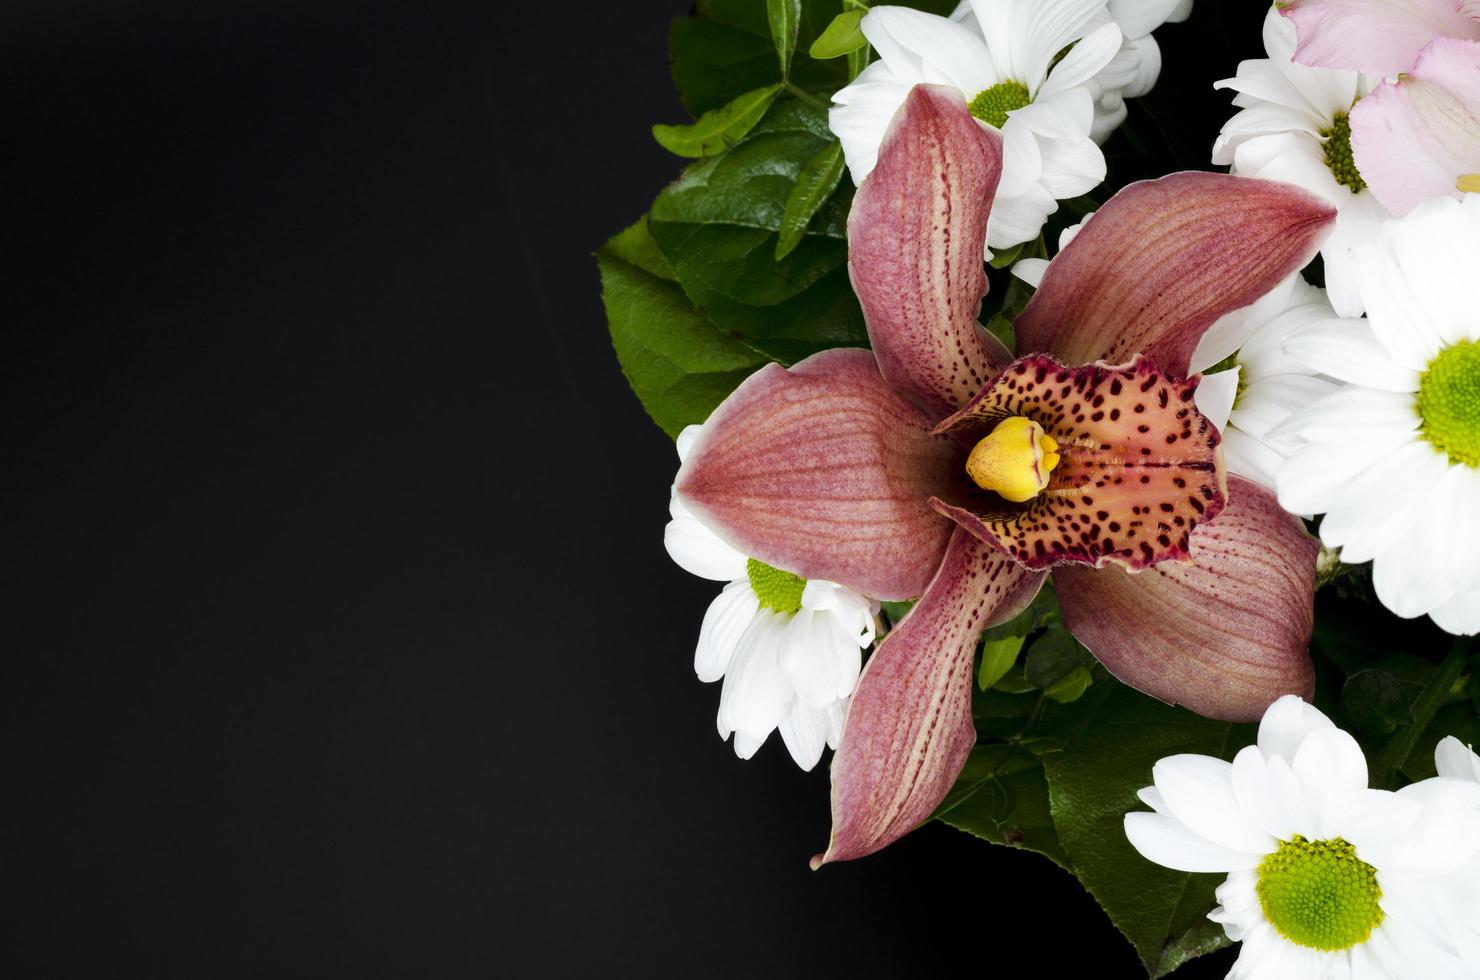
(1418, 138)
(851, 466)
(1380, 37)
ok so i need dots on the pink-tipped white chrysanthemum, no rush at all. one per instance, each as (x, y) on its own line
(1326, 878)
(1392, 458)
(788, 650)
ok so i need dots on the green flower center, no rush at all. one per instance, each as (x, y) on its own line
(1449, 402)
(1338, 149)
(1319, 894)
(777, 591)
(992, 105)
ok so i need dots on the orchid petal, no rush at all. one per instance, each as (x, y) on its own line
(1414, 138)
(1139, 466)
(824, 471)
(909, 727)
(1163, 260)
(915, 235)
(1225, 635)
(1382, 38)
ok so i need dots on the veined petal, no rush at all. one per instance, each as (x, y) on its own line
(914, 250)
(1139, 465)
(1224, 635)
(1163, 260)
(1413, 138)
(909, 729)
(824, 471)
(1378, 38)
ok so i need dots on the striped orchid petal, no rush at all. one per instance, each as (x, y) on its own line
(1225, 635)
(1164, 259)
(914, 251)
(909, 726)
(824, 471)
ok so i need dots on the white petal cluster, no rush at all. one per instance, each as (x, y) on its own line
(1048, 152)
(1388, 493)
(1304, 782)
(1133, 71)
(789, 671)
(1287, 115)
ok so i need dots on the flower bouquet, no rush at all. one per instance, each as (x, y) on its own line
(1034, 488)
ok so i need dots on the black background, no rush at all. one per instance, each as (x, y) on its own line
(341, 639)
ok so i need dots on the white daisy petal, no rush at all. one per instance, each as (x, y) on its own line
(1198, 792)
(1215, 395)
(1455, 760)
(804, 730)
(1349, 350)
(1287, 724)
(725, 622)
(1169, 843)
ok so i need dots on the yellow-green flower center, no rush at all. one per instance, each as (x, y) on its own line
(777, 591)
(1449, 402)
(1319, 894)
(1338, 149)
(992, 105)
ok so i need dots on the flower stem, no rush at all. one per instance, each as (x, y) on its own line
(1400, 746)
(804, 95)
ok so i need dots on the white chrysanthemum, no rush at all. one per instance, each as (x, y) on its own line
(1133, 71)
(1292, 126)
(1009, 70)
(1326, 878)
(1454, 760)
(1251, 385)
(789, 650)
(1392, 458)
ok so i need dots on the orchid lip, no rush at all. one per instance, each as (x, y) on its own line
(1138, 467)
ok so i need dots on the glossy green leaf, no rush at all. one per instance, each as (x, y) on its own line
(1001, 796)
(998, 657)
(785, 18)
(1054, 655)
(678, 363)
(717, 226)
(718, 129)
(816, 182)
(1106, 743)
(1070, 687)
(842, 36)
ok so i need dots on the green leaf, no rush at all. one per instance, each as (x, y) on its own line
(718, 129)
(842, 36)
(998, 657)
(1005, 257)
(785, 17)
(816, 181)
(1053, 656)
(1106, 743)
(1070, 687)
(678, 363)
(1375, 701)
(1001, 796)
(717, 227)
